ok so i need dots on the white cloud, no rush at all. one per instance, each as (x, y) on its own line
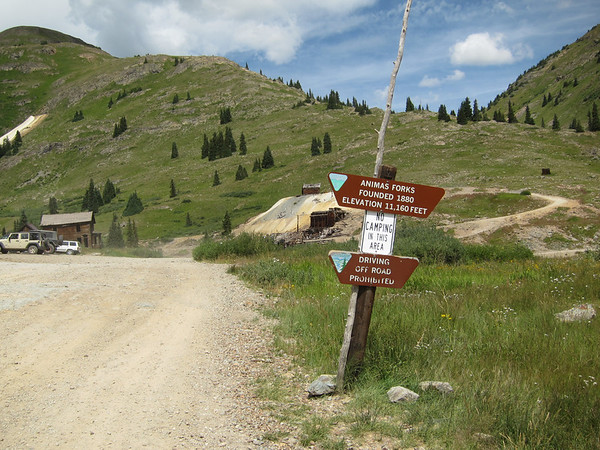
(503, 7)
(481, 49)
(457, 75)
(273, 28)
(429, 82)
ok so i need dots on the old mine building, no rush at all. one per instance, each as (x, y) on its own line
(74, 227)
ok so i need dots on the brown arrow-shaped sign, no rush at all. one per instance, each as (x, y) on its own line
(365, 269)
(376, 194)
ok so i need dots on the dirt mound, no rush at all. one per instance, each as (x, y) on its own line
(290, 214)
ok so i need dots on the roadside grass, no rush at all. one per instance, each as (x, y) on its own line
(522, 379)
(487, 205)
(130, 252)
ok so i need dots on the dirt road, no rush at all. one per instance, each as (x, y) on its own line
(100, 352)
(468, 229)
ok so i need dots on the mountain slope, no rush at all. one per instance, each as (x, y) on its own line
(59, 157)
(569, 77)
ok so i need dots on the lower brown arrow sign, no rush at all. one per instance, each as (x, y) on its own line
(364, 269)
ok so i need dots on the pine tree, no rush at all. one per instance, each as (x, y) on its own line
(333, 102)
(17, 143)
(19, 224)
(216, 180)
(115, 235)
(443, 114)
(241, 173)
(573, 124)
(212, 148)
(78, 116)
(409, 105)
(267, 160)
(326, 143)
(544, 101)
(593, 119)
(499, 116)
(176, 99)
(243, 148)
(174, 151)
(92, 199)
(173, 192)
(5, 147)
(257, 166)
(205, 147)
(109, 192)
(230, 146)
(225, 115)
(120, 127)
(465, 113)
(53, 205)
(511, 114)
(543, 123)
(226, 224)
(188, 220)
(314, 147)
(131, 234)
(578, 127)
(134, 205)
(189, 97)
(555, 123)
(476, 112)
(110, 103)
(528, 119)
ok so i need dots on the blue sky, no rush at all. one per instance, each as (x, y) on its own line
(454, 48)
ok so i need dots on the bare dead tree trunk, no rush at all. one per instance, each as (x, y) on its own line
(378, 163)
(388, 107)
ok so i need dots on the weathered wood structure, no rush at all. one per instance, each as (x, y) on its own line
(326, 219)
(74, 227)
(308, 189)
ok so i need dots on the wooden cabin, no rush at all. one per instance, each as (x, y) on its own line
(74, 227)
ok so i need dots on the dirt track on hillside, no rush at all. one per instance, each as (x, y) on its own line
(100, 352)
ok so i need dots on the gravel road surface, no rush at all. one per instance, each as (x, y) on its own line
(100, 352)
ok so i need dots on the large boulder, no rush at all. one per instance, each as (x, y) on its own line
(400, 394)
(324, 385)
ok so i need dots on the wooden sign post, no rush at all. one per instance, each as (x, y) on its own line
(368, 293)
(383, 199)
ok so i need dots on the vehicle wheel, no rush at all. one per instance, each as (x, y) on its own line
(70, 252)
(33, 250)
(4, 251)
(51, 247)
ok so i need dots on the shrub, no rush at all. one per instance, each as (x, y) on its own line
(429, 244)
(490, 252)
(244, 244)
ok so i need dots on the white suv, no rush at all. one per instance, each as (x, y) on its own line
(69, 247)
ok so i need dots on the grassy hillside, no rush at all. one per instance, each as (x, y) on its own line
(569, 77)
(60, 156)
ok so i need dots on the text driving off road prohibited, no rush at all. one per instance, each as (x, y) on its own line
(362, 269)
(376, 194)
